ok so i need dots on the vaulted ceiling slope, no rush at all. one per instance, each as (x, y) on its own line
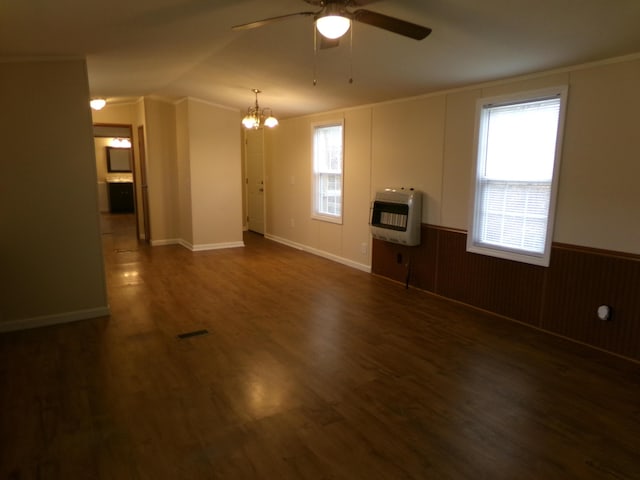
(176, 48)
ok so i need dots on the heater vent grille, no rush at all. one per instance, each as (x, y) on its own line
(396, 216)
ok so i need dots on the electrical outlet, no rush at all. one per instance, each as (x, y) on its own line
(363, 248)
(293, 223)
(605, 312)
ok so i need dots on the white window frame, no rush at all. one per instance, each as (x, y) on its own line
(474, 239)
(317, 212)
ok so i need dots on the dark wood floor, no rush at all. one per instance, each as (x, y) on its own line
(309, 370)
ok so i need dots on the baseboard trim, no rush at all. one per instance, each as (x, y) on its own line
(196, 248)
(320, 253)
(210, 246)
(166, 241)
(48, 320)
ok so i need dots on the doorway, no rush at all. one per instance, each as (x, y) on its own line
(254, 161)
(118, 189)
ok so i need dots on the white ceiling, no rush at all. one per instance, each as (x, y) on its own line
(175, 48)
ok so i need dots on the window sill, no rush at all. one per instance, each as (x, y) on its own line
(327, 218)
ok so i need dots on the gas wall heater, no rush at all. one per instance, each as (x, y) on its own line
(396, 215)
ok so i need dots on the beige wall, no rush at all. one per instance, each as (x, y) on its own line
(209, 175)
(599, 196)
(50, 248)
(184, 173)
(427, 143)
(288, 188)
(457, 158)
(407, 140)
(114, 113)
(162, 171)
(216, 175)
(354, 233)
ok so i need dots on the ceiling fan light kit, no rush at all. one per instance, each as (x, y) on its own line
(333, 26)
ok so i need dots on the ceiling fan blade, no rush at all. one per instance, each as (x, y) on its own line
(265, 21)
(346, 3)
(392, 24)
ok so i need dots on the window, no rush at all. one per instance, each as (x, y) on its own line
(327, 171)
(517, 163)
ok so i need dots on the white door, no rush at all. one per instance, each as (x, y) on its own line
(255, 179)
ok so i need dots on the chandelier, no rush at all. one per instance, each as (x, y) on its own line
(256, 117)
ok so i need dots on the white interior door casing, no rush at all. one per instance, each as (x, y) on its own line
(255, 180)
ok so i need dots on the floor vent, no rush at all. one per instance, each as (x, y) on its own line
(195, 333)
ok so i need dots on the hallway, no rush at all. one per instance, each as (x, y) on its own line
(118, 232)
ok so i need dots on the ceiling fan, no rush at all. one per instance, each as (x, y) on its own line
(334, 19)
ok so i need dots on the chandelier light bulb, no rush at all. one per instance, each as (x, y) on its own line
(333, 26)
(271, 122)
(250, 121)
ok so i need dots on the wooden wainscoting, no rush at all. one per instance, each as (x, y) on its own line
(578, 281)
(561, 299)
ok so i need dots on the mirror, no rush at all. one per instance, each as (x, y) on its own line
(118, 159)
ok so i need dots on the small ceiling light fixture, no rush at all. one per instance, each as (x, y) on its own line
(256, 117)
(120, 143)
(333, 23)
(98, 103)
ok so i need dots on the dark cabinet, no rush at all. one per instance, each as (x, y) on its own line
(121, 197)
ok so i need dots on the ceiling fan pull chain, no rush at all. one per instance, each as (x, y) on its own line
(315, 56)
(351, 54)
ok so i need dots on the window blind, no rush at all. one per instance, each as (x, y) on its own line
(327, 170)
(514, 182)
